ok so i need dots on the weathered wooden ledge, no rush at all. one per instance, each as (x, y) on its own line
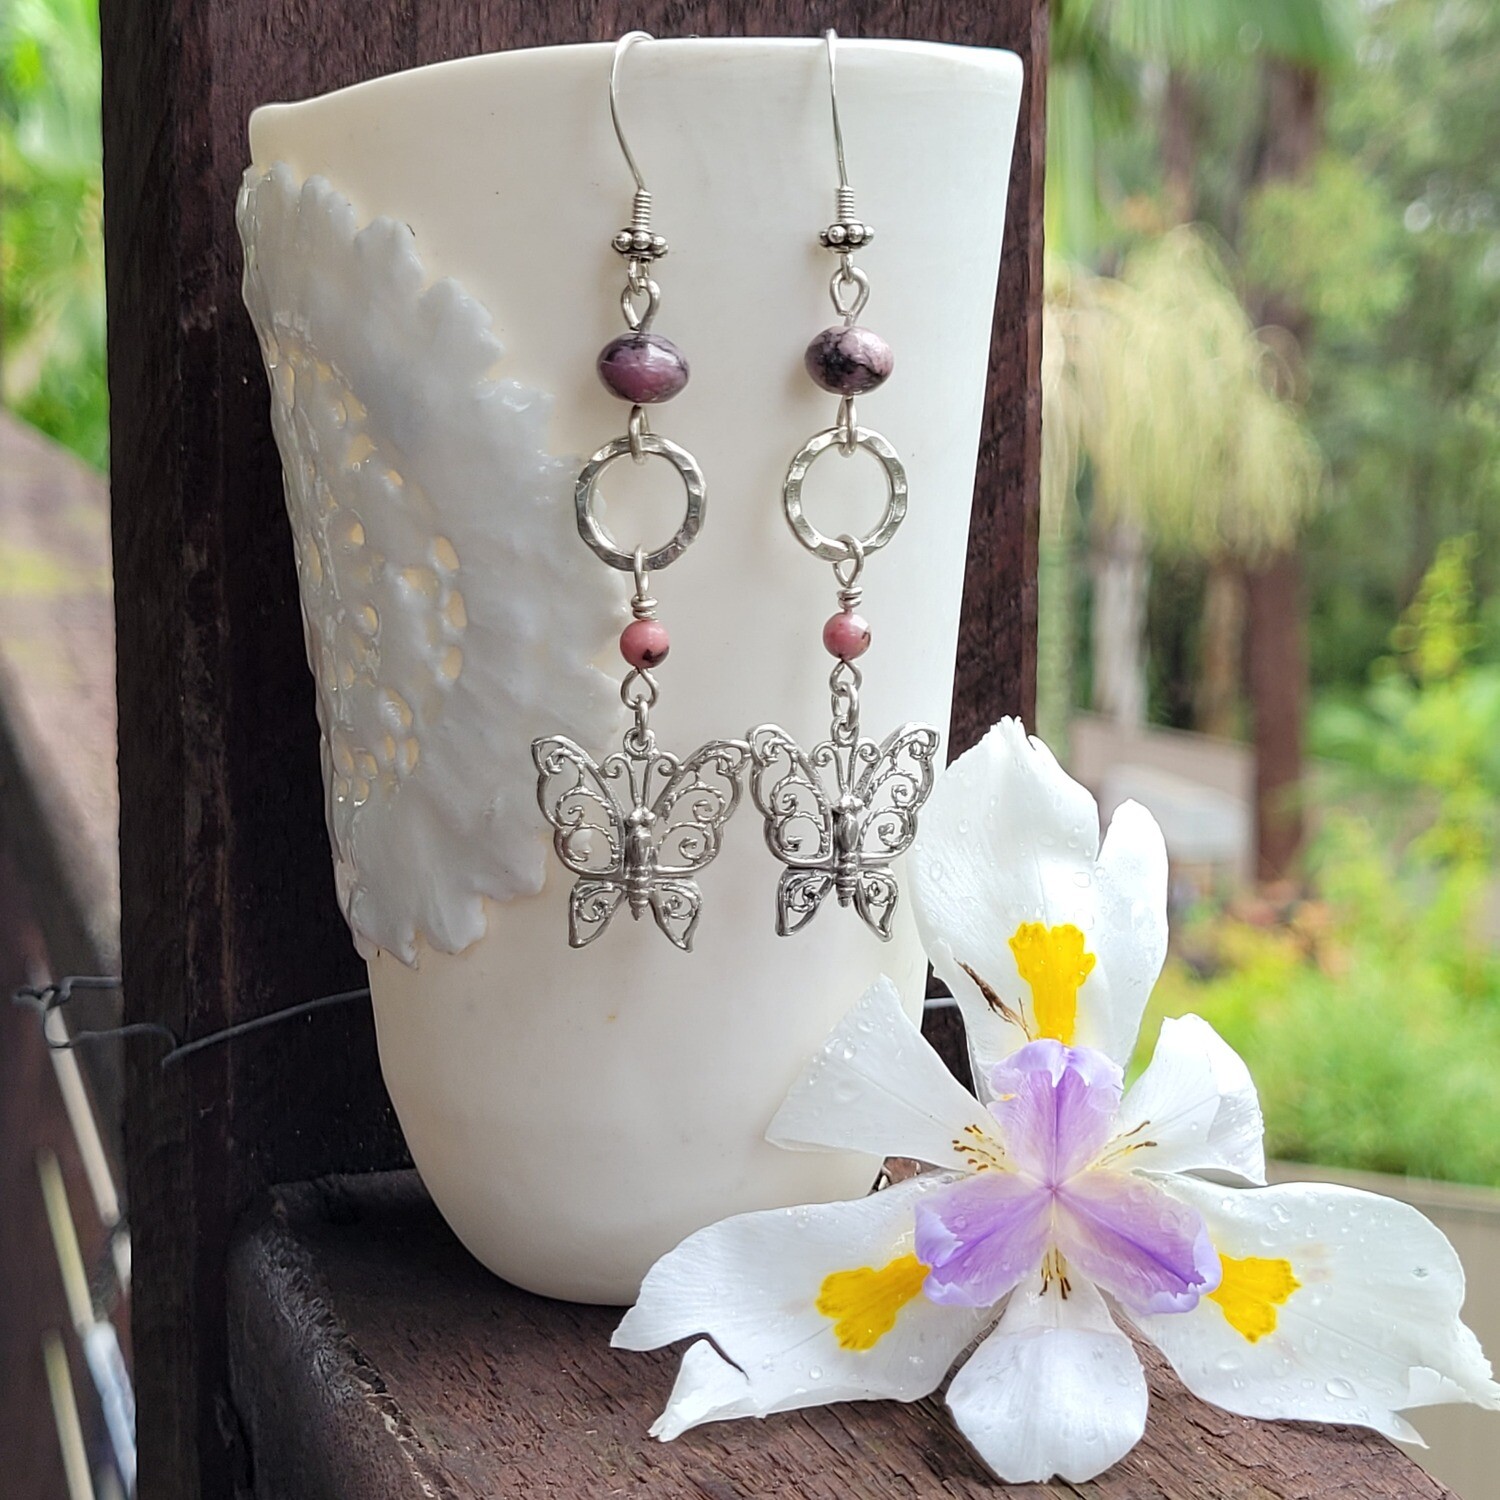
(372, 1357)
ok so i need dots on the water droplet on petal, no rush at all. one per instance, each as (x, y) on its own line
(1340, 1388)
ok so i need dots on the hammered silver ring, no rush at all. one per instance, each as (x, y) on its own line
(833, 549)
(600, 542)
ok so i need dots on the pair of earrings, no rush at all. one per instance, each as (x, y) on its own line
(637, 826)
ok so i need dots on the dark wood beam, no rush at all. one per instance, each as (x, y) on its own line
(461, 1386)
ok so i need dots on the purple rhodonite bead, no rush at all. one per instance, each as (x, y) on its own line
(643, 368)
(849, 361)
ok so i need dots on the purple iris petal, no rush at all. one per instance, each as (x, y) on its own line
(1123, 1232)
(1056, 1107)
(981, 1236)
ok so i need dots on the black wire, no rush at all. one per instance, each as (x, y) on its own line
(323, 1002)
(45, 999)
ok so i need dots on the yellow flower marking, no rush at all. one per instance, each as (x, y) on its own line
(864, 1304)
(1054, 962)
(1251, 1291)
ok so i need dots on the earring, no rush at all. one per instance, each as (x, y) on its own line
(637, 826)
(838, 815)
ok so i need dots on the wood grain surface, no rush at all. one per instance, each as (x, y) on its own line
(227, 906)
(373, 1358)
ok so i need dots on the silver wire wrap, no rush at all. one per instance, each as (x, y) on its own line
(640, 691)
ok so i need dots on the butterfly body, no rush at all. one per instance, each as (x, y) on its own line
(849, 815)
(640, 861)
(837, 816)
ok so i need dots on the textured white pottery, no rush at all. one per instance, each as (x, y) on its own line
(431, 305)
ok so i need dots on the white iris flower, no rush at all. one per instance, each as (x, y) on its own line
(1060, 1208)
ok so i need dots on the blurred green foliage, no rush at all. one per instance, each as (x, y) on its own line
(1397, 241)
(1390, 247)
(52, 361)
(1371, 1018)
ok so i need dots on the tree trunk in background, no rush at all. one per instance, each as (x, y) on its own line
(1121, 572)
(1221, 651)
(1179, 147)
(1276, 625)
(1276, 666)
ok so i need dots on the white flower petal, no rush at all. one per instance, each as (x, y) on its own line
(1056, 1389)
(1196, 1106)
(1009, 837)
(1130, 929)
(878, 1087)
(707, 1389)
(1370, 1329)
(752, 1284)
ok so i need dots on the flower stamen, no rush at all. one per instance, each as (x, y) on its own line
(1055, 1268)
(1123, 1145)
(982, 1152)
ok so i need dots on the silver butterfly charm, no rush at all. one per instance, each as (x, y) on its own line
(836, 816)
(636, 828)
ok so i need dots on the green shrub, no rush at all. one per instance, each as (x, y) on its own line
(1371, 1016)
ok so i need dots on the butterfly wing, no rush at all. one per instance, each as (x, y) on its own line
(580, 798)
(591, 905)
(791, 796)
(698, 796)
(799, 894)
(875, 896)
(677, 905)
(892, 788)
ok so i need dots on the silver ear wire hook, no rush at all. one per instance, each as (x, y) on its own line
(621, 48)
(635, 241)
(831, 39)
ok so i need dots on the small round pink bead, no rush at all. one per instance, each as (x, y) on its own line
(846, 635)
(644, 644)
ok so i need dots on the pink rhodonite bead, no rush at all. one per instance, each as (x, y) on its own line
(643, 368)
(846, 636)
(644, 644)
(849, 361)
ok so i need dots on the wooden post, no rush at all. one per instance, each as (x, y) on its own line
(227, 901)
